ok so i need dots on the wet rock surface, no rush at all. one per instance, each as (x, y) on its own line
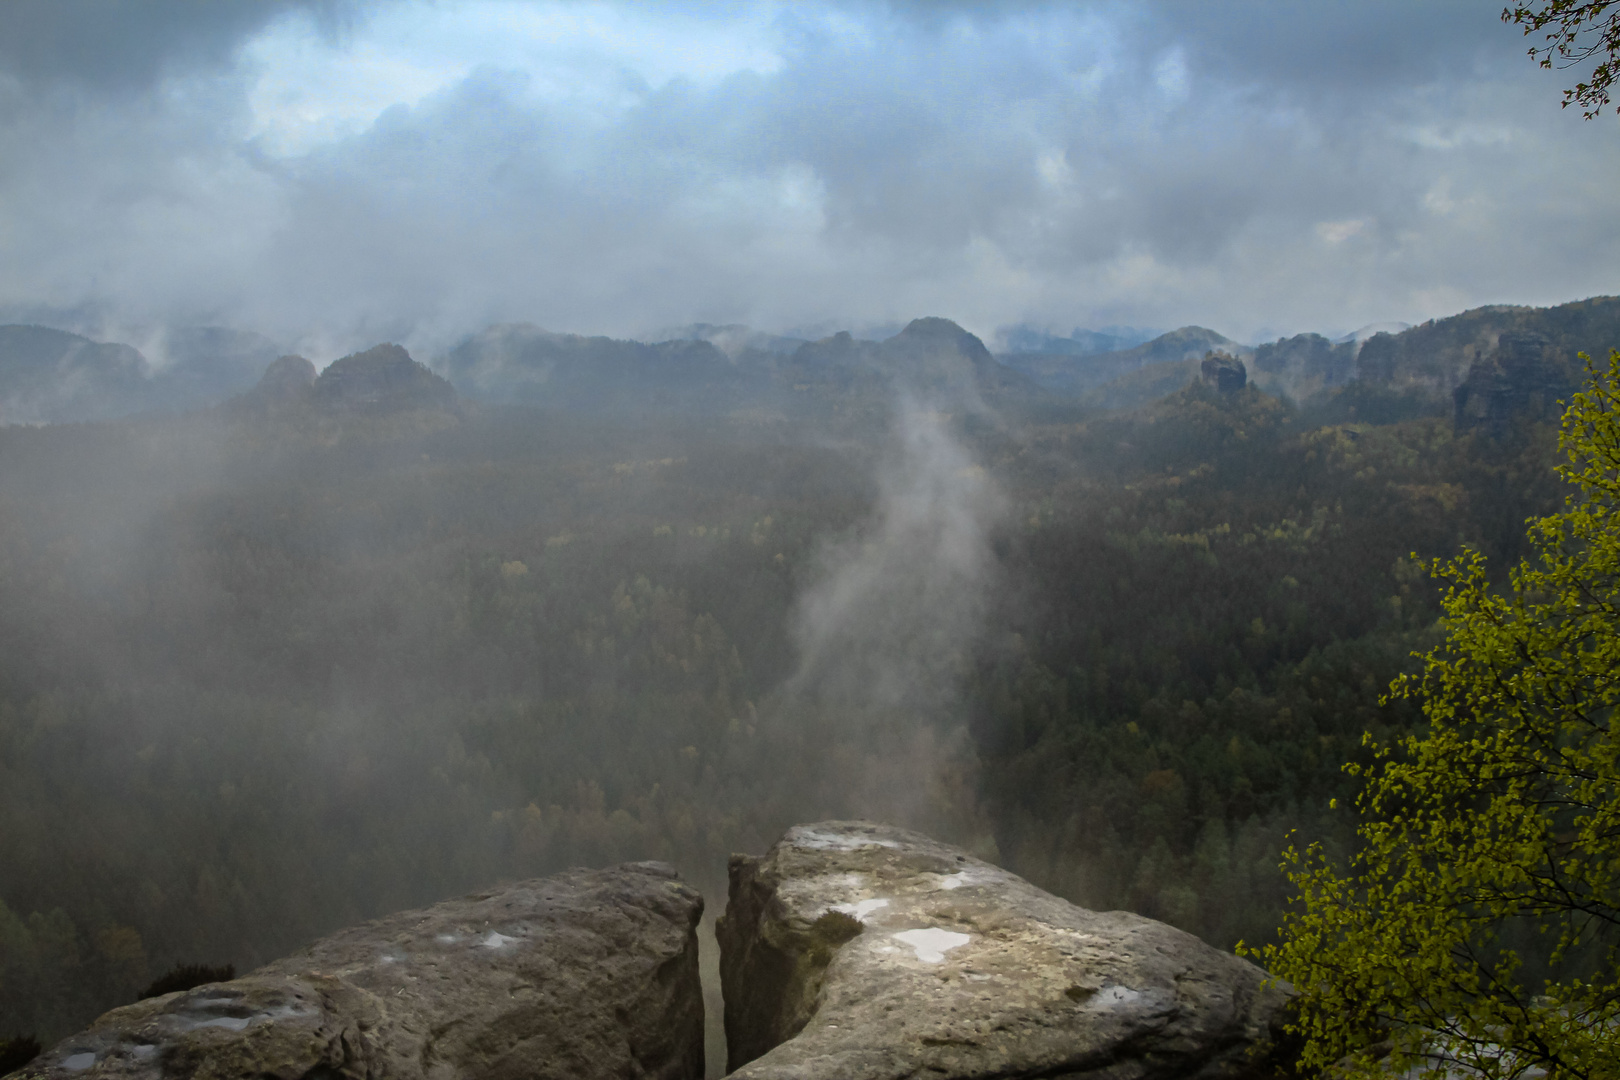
(584, 974)
(854, 950)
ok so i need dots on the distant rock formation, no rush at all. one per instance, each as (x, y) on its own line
(287, 379)
(932, 357)
(1112, 379)
(1434, 359)
(1377, 360)
(733, 339)
(936, 355)
(1022, 338)
(1522, 378)
(860, 950)
(591, 973)
(205, 365)
(383, 379)
(1304, 364)
(51, 376)
(1224, 372)
(518, 363)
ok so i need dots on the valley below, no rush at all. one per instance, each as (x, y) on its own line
(324, 647)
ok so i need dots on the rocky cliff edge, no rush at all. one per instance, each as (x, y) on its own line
(854, 950)
(591, 973)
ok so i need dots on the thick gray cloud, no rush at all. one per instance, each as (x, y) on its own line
(418, 171)
(123, 46)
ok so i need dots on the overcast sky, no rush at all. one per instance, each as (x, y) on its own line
(334, 174)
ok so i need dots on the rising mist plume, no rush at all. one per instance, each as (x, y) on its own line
(887, 628)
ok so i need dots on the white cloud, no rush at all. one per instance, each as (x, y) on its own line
(1170, 75)
(432, 167)
(310, 88)
(1337, 232)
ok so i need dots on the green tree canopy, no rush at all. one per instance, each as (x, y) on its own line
(1475, 930)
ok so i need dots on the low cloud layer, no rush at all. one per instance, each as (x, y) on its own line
(340, 173)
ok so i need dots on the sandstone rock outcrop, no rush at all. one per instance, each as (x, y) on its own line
(381, 380)
(1303, 365)
(1522, 378)
(854, 950)
(287, 379)
(288, 374)
(1224, 372)
(585, 974)
(1377, 361)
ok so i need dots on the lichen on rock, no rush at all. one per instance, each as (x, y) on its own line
(590, 973)
(964, 969)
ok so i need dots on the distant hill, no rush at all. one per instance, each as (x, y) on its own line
(519, 363)
(53, 376)
(732, 339)
(523, 364)
(1429, 367)
(382, 379)
(1434, 358)
(207, 364)
(931, 356)
(1304, 364)
(1431, 361)
(1022, 338)
(289, 380)
(379, 381)
(1075, 374)
(1373, 328)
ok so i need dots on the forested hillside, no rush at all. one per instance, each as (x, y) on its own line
(278, 667)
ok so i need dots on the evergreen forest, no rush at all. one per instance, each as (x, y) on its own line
(265, 672)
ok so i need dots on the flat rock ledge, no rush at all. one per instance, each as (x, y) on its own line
(862, 951)
(591, 973)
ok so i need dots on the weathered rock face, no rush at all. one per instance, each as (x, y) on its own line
(1376, 362)
(585, 974)
(1522, 378)
(1307, 360)
(1224, 372)
(854, 950)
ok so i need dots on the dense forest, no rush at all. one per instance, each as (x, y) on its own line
(266, 670)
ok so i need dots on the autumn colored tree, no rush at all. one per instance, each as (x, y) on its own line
(1475, 930)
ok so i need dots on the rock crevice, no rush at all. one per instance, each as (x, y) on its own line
(850, 950)
(961, 969)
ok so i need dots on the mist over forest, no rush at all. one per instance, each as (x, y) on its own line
(446, 444)
(348, 642)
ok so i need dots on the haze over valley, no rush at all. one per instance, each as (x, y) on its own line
(446, 444)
